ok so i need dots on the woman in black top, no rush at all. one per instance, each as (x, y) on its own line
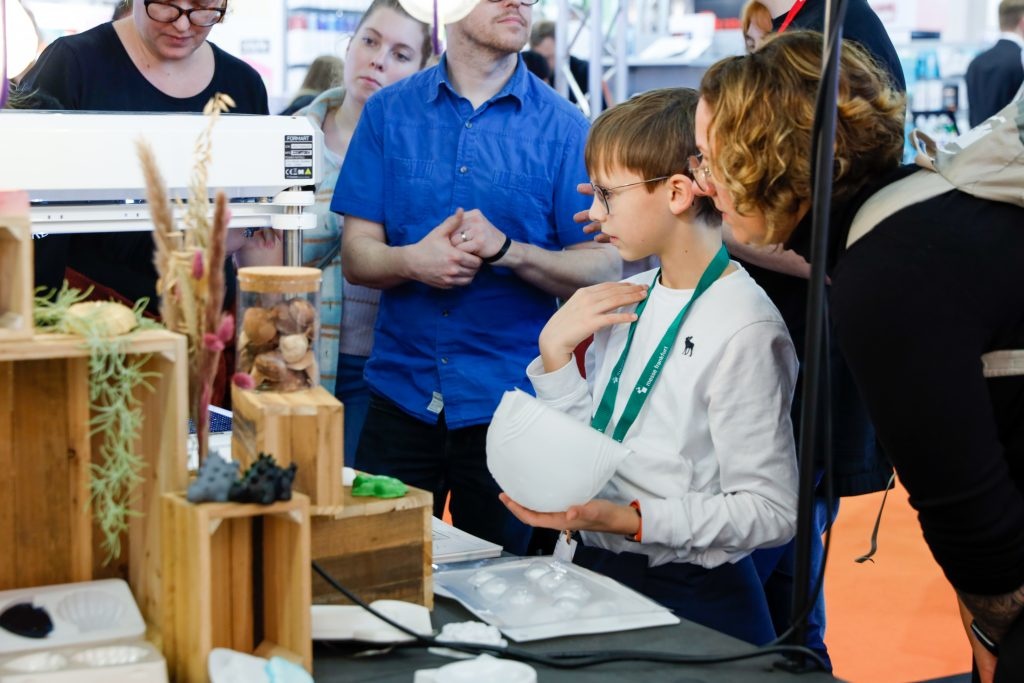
(158, 59)
(915, 303)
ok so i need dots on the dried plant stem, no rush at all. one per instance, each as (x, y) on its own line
(191, 269)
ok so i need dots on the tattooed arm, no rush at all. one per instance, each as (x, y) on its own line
(995, 613)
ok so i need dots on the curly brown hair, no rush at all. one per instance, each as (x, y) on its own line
(762, 110)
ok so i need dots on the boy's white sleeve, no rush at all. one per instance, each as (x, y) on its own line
(750, 393)
(564, 389)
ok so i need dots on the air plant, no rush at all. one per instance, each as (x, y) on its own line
(190, 265)
(114, 402)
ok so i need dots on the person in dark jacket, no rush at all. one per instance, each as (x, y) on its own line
(915, 304)
(995, 75)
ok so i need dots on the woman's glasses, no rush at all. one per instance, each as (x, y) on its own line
(166, 13)
(700, 171)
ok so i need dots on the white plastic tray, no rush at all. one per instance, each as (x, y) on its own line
(352, 622)
(82, 613)
(124, 662)
(540, 597)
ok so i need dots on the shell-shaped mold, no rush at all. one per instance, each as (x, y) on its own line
(111, 655)
(91, 610)
(37, 662)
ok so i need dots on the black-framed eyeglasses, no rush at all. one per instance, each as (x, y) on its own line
(604, 193)
(167, 13)
(700, 171)
(521, 2)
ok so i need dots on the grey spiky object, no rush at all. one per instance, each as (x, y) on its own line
(214, 480)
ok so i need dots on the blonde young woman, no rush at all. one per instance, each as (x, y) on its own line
(915, 303)
(387, 46)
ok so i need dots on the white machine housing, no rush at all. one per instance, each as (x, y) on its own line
(82, 171)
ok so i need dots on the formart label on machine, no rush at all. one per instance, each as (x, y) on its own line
(298, 157)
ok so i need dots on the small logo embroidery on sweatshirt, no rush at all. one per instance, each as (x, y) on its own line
(688, 346)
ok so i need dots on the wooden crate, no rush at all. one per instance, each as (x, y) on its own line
(46, 528)
(378, 548)
(16, 277)
(236, 576)
(304, 427)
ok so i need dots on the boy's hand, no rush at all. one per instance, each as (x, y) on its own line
(597, 515)
(589, 309)
(584, 216)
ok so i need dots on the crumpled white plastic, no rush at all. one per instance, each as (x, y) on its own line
(544, 459)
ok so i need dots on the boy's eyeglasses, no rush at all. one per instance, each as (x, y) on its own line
(700, 171)
(604, 193)
(166, 13)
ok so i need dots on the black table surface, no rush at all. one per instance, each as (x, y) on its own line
(336, 662)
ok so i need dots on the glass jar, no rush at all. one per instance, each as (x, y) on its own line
(279, 327)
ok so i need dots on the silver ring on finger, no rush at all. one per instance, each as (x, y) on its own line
(464, 236)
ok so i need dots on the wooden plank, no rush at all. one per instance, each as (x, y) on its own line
(239, 584)
(16, 284)
(162, 444)
(41, 442)
(43, 346)
(79, 455)
(287, 581)
(8, 478)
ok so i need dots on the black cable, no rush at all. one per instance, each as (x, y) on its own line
(815, 343)
(566, 660)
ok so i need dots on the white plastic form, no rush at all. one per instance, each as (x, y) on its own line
(82, 613)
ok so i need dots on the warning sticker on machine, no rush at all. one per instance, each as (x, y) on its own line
(298, 156)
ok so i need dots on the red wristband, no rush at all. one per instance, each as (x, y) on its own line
(638, 537)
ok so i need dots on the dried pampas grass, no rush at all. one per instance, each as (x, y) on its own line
(190, 266)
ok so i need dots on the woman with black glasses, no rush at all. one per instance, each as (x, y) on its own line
(157, 59)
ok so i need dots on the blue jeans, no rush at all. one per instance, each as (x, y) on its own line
(728, 598)
(442, 461)
(350, 388)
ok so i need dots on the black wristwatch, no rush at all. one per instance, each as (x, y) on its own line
(984, 638)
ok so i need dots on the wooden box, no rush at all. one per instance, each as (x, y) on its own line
(16, 277)
(304, 427)
(378, 548)
(236, 576)
(46, 528)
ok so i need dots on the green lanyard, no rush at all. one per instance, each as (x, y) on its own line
(645, 384)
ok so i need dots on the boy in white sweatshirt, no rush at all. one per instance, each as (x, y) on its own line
(691, 368)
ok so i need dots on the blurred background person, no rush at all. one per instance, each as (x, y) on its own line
(537, 64)
(387, 46)
(324, 73)
(542, 41)
(122, 9)
(756, 21)
(995, 75)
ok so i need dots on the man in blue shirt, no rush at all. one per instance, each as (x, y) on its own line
(459, 188)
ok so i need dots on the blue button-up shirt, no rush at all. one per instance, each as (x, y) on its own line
(421, 151)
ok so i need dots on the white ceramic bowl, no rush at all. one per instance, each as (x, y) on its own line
(544, 459)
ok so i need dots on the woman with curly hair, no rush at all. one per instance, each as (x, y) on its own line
(915, 303)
